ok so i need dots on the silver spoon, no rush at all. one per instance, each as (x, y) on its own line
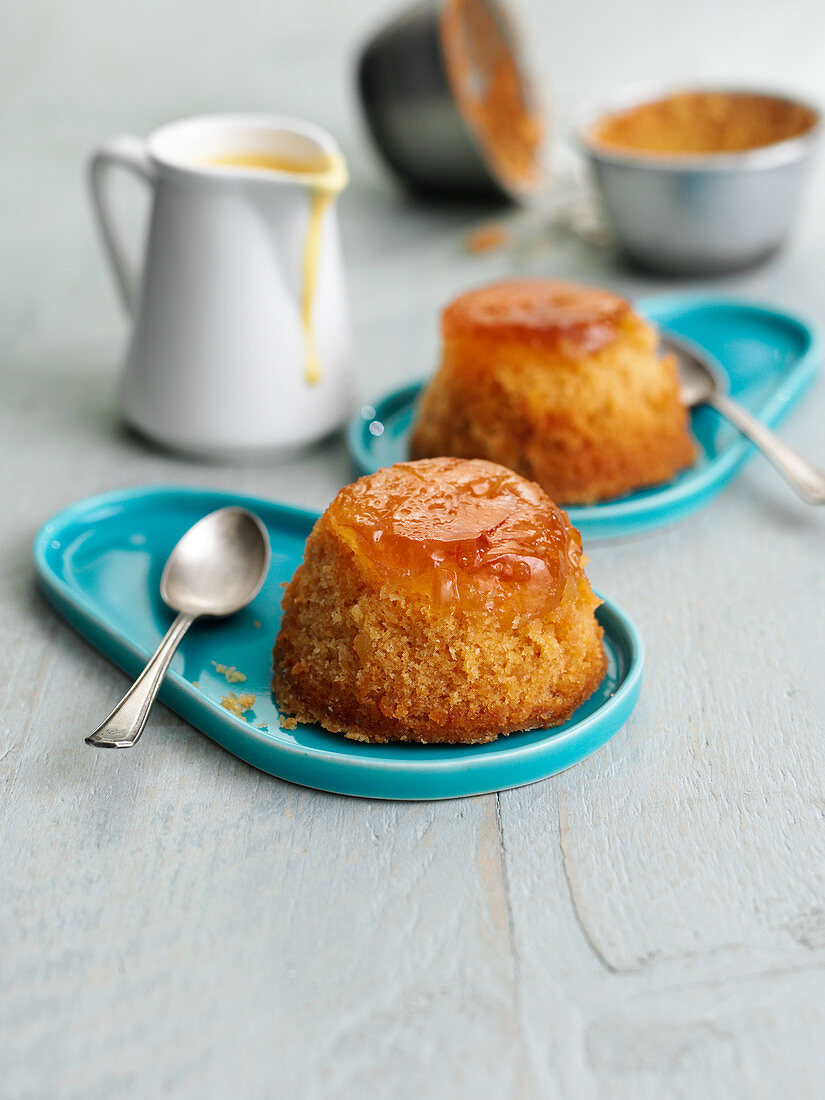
(700, 384)
(216, 569)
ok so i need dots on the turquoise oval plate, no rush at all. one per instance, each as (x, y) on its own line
(99, 562)
(768, 357)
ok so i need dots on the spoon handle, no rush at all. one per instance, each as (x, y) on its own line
(125, 724)
(808, 481)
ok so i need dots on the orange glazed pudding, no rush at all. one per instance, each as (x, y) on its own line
(438, 601)
(563, 384)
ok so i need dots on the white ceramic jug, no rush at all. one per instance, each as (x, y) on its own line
(240, 340)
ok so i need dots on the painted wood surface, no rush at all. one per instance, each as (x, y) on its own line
(649, 924)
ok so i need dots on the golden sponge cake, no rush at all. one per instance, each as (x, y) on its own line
(563, 384)
(438, 601)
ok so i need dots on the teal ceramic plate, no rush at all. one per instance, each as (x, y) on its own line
(100, 562)
(769, 358)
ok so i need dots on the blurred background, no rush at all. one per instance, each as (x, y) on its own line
(73, 74)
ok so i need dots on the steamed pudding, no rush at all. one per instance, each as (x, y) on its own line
(563, 384)
(438, 601)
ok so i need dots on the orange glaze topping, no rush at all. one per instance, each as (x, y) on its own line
(463, 531)
(538, 311)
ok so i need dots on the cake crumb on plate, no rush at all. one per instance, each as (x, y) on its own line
(238, 704)
(230, 673)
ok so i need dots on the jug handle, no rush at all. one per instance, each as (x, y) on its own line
(131, 153)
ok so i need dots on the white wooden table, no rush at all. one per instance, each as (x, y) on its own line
(650, 923)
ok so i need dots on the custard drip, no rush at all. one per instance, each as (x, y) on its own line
(465, 532)
(324, 177)
(320, 200)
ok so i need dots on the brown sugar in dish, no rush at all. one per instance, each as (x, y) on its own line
(703, 122)
(561, 383)
(438, 601)
(491, 89)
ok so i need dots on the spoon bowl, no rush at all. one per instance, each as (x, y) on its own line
(218, 566)
(215, 569)
(699, 379)
(700, 383)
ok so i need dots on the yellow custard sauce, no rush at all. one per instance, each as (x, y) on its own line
(325, 176)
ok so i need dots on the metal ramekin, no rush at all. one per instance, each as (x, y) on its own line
(698, 214)
(412, 113)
